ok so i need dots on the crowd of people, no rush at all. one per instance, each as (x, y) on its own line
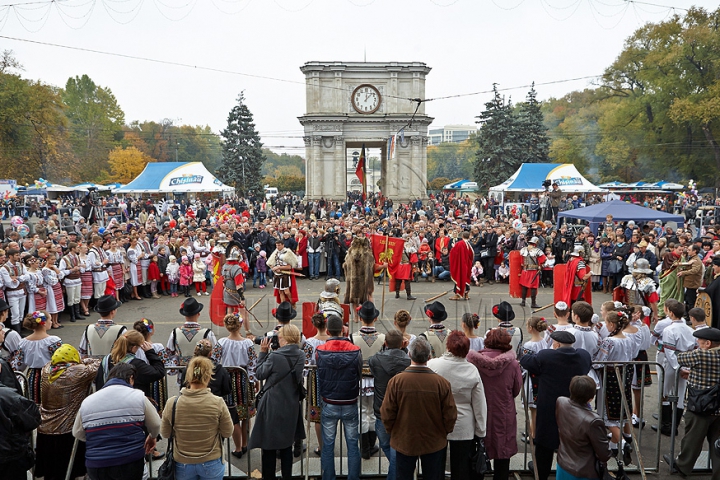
(373, 382)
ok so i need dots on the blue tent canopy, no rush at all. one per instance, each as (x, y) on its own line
(175, 177)
(621, 211)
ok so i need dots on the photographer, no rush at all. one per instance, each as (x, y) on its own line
(555, 195)
(275, 423)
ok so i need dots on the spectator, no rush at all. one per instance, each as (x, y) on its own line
(117, 440)
(339, 364)
(411, 395)
(502, 380)
(469, 396)
(582, 433)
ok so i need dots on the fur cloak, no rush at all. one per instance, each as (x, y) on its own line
(359, 271)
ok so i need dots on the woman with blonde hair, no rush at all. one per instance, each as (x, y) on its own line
(237, 351)
(277, 417)
(198, 421)
(123, 351)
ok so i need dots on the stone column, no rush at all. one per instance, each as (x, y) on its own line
(340, 162)
(309, 168)
(319, 166)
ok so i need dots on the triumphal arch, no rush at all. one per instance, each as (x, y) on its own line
(351, 104)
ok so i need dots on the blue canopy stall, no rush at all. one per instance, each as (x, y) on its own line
(621, 211)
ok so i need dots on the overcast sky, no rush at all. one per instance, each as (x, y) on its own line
(469, 44)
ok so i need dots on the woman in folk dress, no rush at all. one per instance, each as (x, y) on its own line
(55, 300)
(135, 254)
(86, 288)
(116, 259)
(319, 321)
(36, 298)
(35, 351)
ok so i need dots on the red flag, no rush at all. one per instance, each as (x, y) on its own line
(361, 172)
(388, 249)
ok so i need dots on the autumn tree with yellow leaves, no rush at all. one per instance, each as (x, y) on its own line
(126, 163)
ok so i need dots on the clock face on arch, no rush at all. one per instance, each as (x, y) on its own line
(366, 99)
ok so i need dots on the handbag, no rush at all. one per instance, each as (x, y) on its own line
(484, 253)
(167, 469)
(614, 266)
(479, 460)
(703, 401)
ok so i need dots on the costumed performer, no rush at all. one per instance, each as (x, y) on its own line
(640, 288)
(461, 261)
(713, 290)
(233, 275)
(360, 268)
(533, 260)
(282, 262)
(577, 274)
(671, 286)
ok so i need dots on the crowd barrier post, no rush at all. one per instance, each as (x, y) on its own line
(626, 408)
(72, 459)
(528, 384)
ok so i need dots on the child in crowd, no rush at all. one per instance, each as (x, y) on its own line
(503, 272)
(186, 275)
(173, 275)
(535, 327)
(562, 315)
(547, 268)
(641, 374)
(476, 273)
(154, 275)
(261, 267)
(199, 268)
(162, 261)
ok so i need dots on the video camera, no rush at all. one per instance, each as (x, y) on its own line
(92, 196)
(546, 184)
(274, 340)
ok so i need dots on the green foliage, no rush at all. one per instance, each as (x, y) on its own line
(278, 165)
(451, 160)
(534, 142)
(96, 123)
(286, 183)
(439, 182)
(242, 155)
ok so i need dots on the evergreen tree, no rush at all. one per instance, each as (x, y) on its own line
(532, 134)
(498, 155)
(242, 156)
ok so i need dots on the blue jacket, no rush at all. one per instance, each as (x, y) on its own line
(339, 364)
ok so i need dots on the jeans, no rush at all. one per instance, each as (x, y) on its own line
(384, 441)
(433, 465)
(333, 265)
(441, 273)
(173, 288)
(348, 414)
(314, 264)
(211, 470)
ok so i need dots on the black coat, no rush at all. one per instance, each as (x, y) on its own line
(18, 418)
(554, 369)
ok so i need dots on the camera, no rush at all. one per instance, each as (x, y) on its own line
(274, 340)
(547, 183)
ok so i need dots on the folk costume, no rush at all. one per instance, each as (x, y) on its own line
(117, 263)
(233, 277)
(239, 359)
(98, 339)
(639, 287)
(671, 286)
(283, 280)
(461, 261)
(437, 334)
(96, 260)
(72, 270)
(14, 277)
(533, 259)
(404, 272)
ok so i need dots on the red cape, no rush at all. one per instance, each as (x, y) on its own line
(567, 291)
(461, 261)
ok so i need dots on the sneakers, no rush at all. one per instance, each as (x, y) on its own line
(199, 294)
(637, 422)
(206, 294)
(627, 451)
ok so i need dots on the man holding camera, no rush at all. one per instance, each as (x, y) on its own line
(555, 195)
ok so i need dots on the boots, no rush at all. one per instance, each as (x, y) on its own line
(666, 422)
(408, 291)
(78, 312)
(155, 295)
(533, 297)
(398, 283)
(146, 291)
(72, 313)
(367, 445)
(524, 296)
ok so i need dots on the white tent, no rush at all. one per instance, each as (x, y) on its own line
(530, 176)
(175, 177)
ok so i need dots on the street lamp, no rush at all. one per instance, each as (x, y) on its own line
(356, 159)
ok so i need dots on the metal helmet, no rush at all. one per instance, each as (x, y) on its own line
(233, 251)
(534, 240)
(641, 265)
(578, 251)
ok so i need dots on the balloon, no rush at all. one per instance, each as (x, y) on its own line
(173, 223)
(23, 230)
(101, 230)
(16, 221)
(517, 224)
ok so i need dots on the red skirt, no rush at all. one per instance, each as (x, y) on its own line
(40, 302)
(117, 275)
(86, 290)
(58, 294)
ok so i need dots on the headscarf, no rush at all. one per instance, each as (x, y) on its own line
(64, 357)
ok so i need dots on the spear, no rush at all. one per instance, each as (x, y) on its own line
(432, 299)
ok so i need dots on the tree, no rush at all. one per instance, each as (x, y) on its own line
(535, 144)
(96, 123)
(242, 155)
(126, 163)
(451, 160)
(497, 155)
(277, 164)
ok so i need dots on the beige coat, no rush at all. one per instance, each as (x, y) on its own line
(692, 277)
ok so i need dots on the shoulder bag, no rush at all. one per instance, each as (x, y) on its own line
(703, 401)
(479, 460)
(167, 469)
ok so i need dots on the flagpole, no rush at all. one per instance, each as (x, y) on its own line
(384, 274)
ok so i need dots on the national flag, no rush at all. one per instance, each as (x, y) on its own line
(391, 147)
(361, 172)
(388, 250)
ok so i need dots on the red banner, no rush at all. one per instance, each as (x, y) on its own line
(388, 250)
(361, 172)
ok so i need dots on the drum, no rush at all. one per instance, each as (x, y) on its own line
(703, 301)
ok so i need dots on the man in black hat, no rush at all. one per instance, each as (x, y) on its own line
(437, 334)
(555, 368)
(183, 339)
(98, 339)
(370, 342)
(702, 367)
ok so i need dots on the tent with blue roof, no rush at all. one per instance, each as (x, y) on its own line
(175, 177)
(530, 176)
